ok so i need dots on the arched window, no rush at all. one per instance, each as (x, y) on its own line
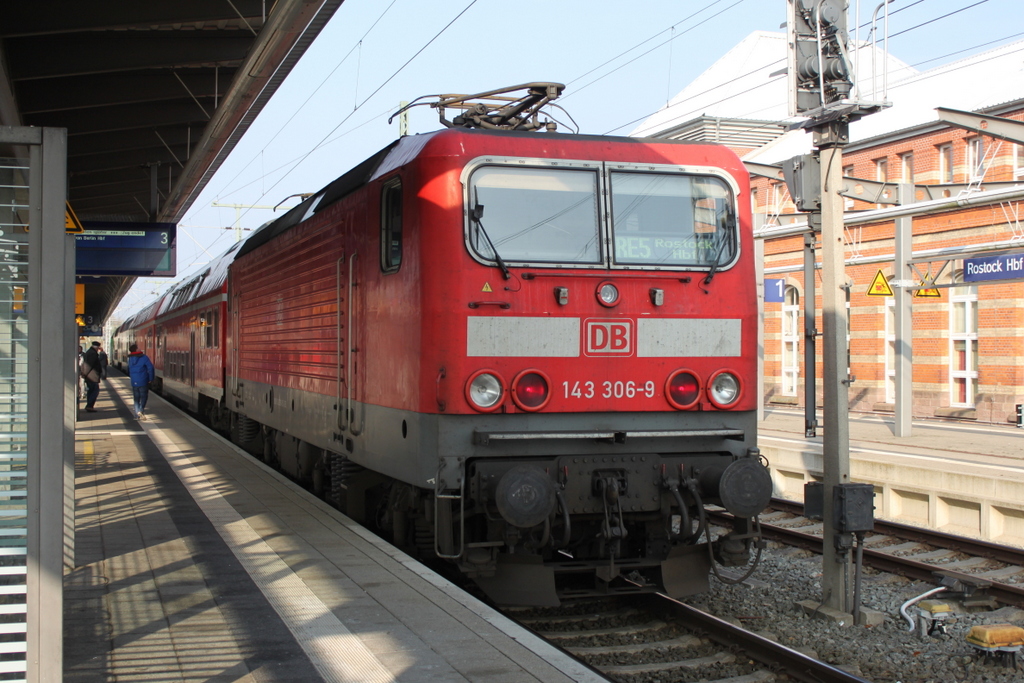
(963, 343)
(791, 333)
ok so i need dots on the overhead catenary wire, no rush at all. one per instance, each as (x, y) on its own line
(644, 54)
(323, 82)
(643, 42)
(367, 99)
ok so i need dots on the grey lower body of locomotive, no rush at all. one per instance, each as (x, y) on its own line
(598, 472)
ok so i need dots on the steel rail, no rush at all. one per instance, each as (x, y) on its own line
(1008, 594)
(971, 546)
(798, 666)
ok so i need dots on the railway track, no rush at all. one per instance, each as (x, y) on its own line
(996, 571)
(652, 637)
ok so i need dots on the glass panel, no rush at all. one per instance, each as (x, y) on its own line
(672, 219)
(14, 354)
(535, 215)
(960, 390)
(959, 317)
(960, 355)
(792, 296)
(391, 235)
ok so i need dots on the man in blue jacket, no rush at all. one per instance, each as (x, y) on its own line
(141, 372)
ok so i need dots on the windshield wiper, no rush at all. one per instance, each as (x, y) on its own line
(475, 215)
(730, 225)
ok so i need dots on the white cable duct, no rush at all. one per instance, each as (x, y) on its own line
(912, 601)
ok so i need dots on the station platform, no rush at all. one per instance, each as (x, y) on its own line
(951, 476)
(195, 562)
(985, 443)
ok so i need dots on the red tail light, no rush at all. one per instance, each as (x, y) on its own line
(682, 389)
(530, 390)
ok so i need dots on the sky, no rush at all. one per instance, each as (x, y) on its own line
(620, 63)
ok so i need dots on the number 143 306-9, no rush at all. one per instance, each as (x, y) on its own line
(608, 389)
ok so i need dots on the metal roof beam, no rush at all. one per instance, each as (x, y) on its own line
(83, 54)
(68, 16)
(993, 126)
(103, 90)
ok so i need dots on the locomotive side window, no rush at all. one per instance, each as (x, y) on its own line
(391, 226)
(537, 215)
(662, 219)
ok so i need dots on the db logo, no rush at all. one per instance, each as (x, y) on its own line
(609, 337)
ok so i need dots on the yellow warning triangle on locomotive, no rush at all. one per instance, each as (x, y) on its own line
(487, 287)
(880, 286)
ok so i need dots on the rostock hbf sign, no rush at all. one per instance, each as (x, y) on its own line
(1005, 267)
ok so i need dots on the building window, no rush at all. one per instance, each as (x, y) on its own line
(945, 163)
(907, 167)
(963, 344)
(775, 199)
(1018, 161)
(391, 226)
(975, 158)
(881, 174)
(791, 334)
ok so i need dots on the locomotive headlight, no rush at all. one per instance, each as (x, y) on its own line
(607, 294)
(724, 389)
(484, 391)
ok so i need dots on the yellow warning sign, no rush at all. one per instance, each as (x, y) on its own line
(928, 292)
(72, 226)
(487, 287)
(880, 286)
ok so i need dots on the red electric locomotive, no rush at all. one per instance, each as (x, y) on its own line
(533, 354)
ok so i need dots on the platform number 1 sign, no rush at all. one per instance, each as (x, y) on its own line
(774, 290)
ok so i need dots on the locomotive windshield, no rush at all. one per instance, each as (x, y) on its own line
(672, 219)
(545, 215)
(536, 215)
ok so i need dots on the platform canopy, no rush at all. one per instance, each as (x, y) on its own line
(154, 95)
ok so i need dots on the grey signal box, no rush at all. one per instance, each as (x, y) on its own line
(853, 505)
(803, 178)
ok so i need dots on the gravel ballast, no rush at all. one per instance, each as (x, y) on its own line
(886, 653)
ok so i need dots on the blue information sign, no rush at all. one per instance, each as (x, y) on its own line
(774, 290)
(126, 249)
(1004, 267)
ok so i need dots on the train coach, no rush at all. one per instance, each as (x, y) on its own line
(532, 354)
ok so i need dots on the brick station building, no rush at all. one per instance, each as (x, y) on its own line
(968, 339)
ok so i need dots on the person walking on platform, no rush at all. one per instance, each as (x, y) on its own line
(103, 363)
(91, 372)
(140, 369)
